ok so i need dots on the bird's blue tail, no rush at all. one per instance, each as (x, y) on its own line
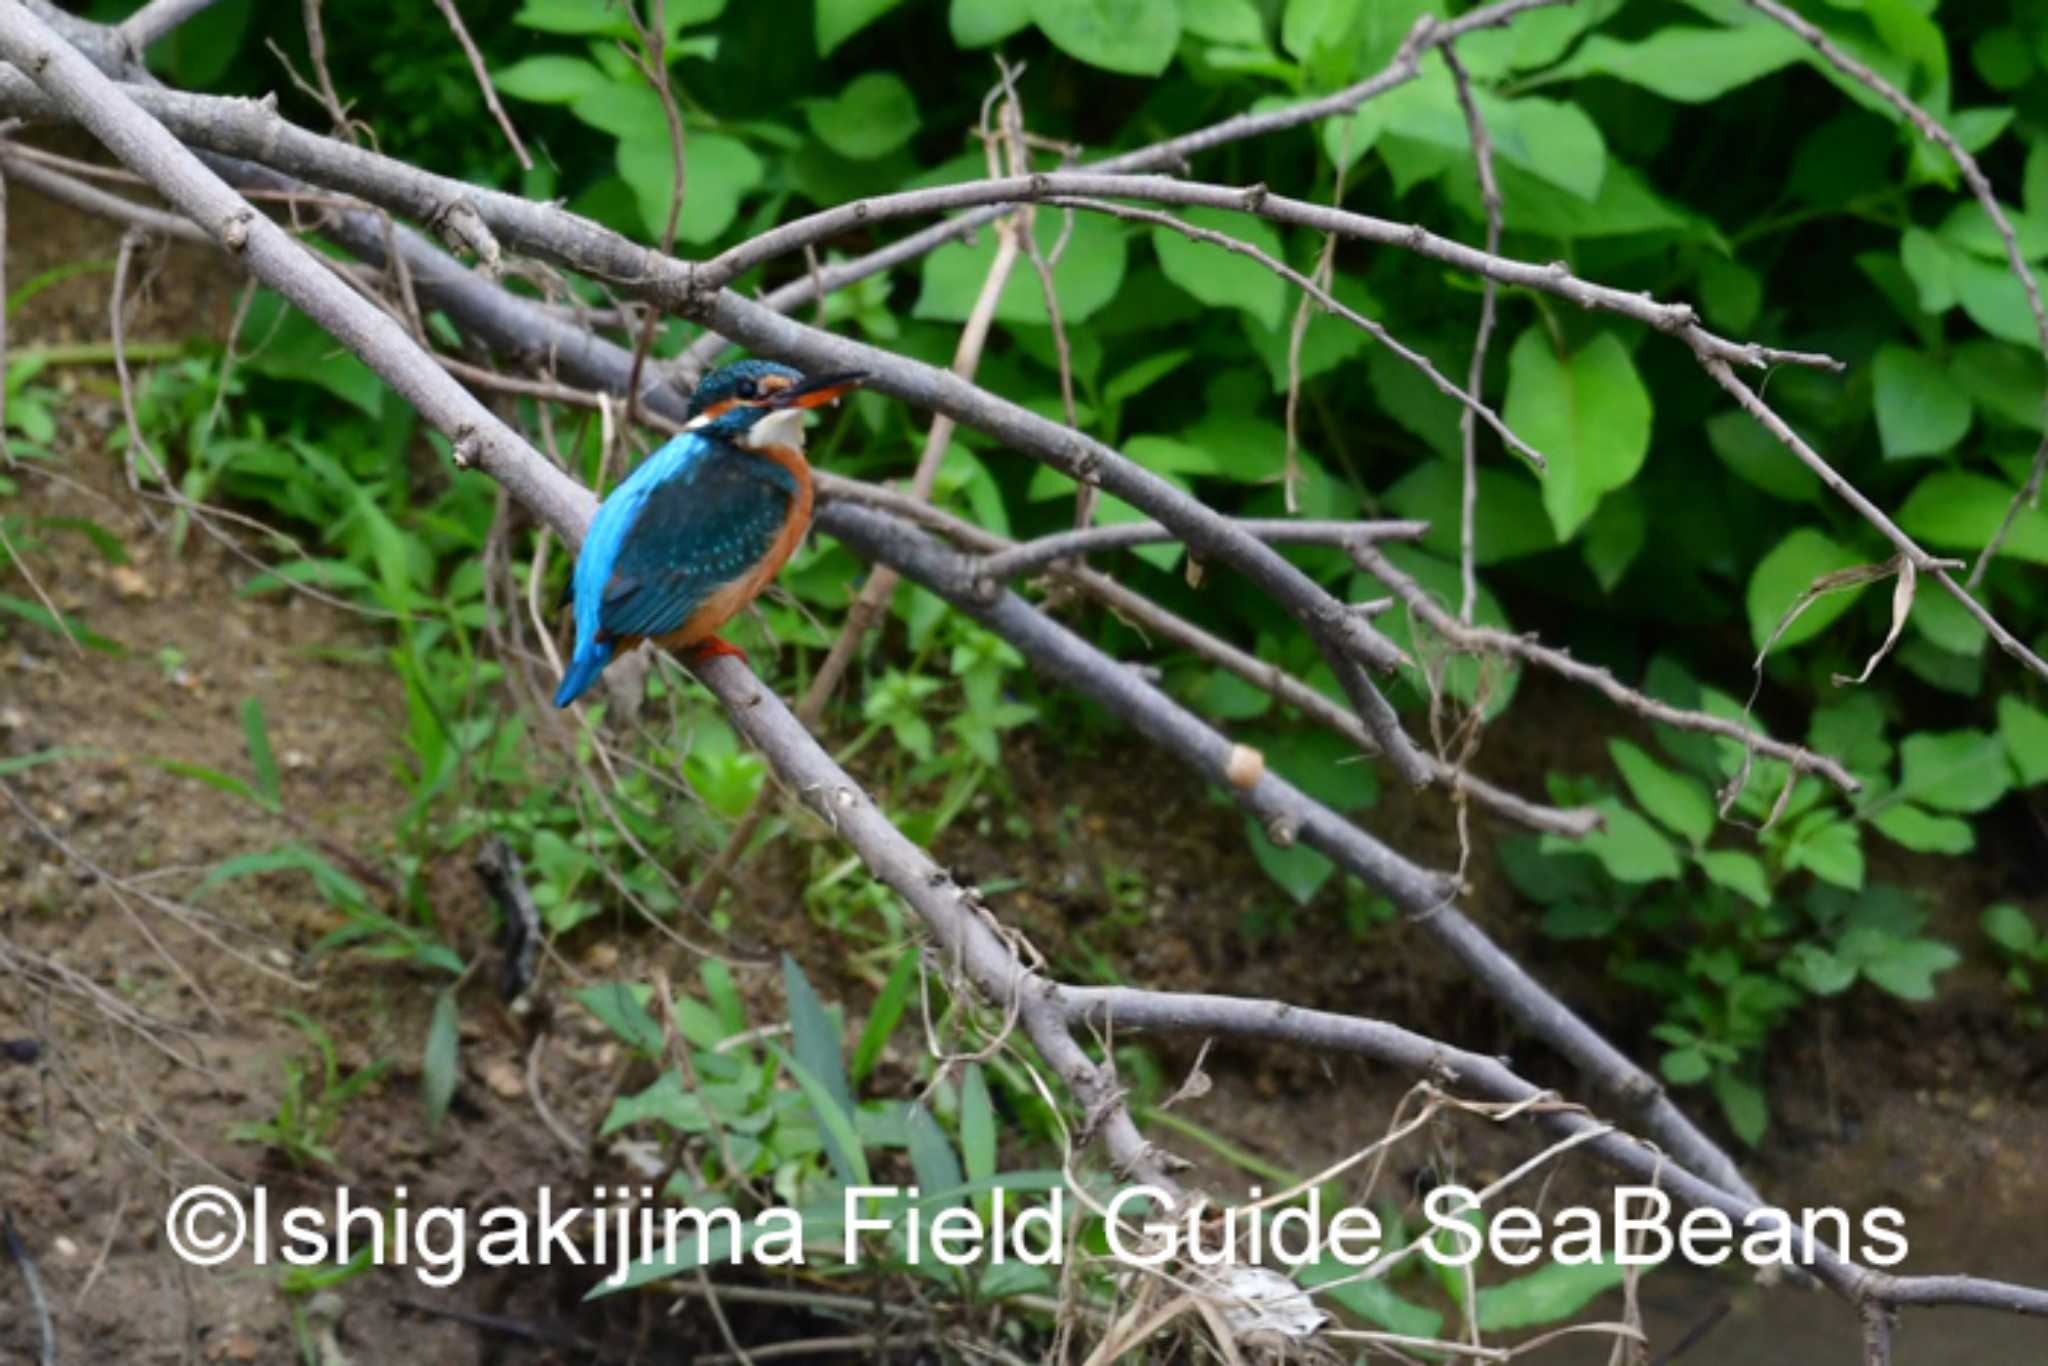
(588, 663)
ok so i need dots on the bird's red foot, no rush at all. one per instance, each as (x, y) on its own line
(711, 648)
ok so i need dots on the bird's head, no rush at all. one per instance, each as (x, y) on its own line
(761, 403)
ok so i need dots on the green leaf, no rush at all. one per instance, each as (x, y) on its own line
(1678, 801)
(1920, 410)
(839, 20)
(889, 1007)
(1958, 771)
(1732, 294)
(983, 23)
(1614, 537)
(1740, 873)
(1903, 967)
(835, 1123)
(1753, 453)
(718, 169)
(815, 1033)
(1223, 278)
(1372, 1301)
(1783, 576)
(261, 760)
(873, 116)
(1818, 970)
(1235, 23)
(1926, 260)
(1134, 37)
(1087, 275)
(1508, 520)
(549, 79)
(1908, 825)
(977, 1124)
(1589, 415)
(440, 1065)
(1549, 1294)
(1963, 511)
(1298, 870)
(1629, 848)
(2002, 57)
(2025, 732)
(2007, 926)
(1829, 848)
(619, 1008)
(1684, 62)
(932, 1160)
(1685, 1067)
(1743, 1105)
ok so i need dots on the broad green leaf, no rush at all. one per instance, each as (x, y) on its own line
(1372, 1301)
(1508, 520)
(1753, 453)
(549, 79)
(1674, 799)
(838, 20)
(1946, 623)
(1993, 299)
(977, 1124)
(1589, 415)
(2004, 380)
(2025, 732)
(1968, 226)
(2003, 57)
(1220, 277)
(1299, 870)
(440, 1065)
(1684, 1066)
(1134, 37)
(1926, 260)
(1549, 1294)
(1731, 293)
(1852, 730)
(2007, 926)
(1903, 967)
(718, 171)
(983, 23)
(1551, 141)
(1086, 276)
(1831, 850)
(665, 1101)
(1818, 970)
(1743, 1105)
(1783, 576)
(1961, 511)
(1740, 873)
(1910, 826)
(1629, 847)
(1614, 537)
(1233, 22)
(1957, 771)
(1920, 410)
(873, 116)
(1684, 62)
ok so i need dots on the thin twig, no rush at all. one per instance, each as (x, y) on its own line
(17, 1252)
(483, 81)
(1489, 196)
(157, 19)
(1032, 556)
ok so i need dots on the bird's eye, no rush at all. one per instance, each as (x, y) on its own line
(747, 388)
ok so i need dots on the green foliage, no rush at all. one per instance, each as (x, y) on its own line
(312, 1102)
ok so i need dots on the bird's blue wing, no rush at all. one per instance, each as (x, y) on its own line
(706, 516)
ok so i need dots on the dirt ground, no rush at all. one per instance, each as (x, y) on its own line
(168, 1026)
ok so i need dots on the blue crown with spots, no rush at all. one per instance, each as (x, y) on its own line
(742, 382)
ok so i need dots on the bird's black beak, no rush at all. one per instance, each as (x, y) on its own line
(816, 390)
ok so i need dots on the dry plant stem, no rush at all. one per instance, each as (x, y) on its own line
(17, 1252)
(653, 66)
(1329, 304)
(1487, 640)
(1169, 154)
(98, 202)
(1032, 556)
(1926, 565)
(1930, 128)
(1288, 815)
(1489, 196)
(483, 81)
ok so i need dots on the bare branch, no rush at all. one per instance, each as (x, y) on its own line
(1489, 196)
(483, 81)
(1930, 128)
(1486, 640)
(1035, 555)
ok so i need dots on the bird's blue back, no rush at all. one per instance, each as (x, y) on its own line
(693, 516)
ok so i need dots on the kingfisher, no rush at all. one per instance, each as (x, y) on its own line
(702, 525)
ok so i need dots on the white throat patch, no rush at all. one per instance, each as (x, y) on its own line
(785, 427)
